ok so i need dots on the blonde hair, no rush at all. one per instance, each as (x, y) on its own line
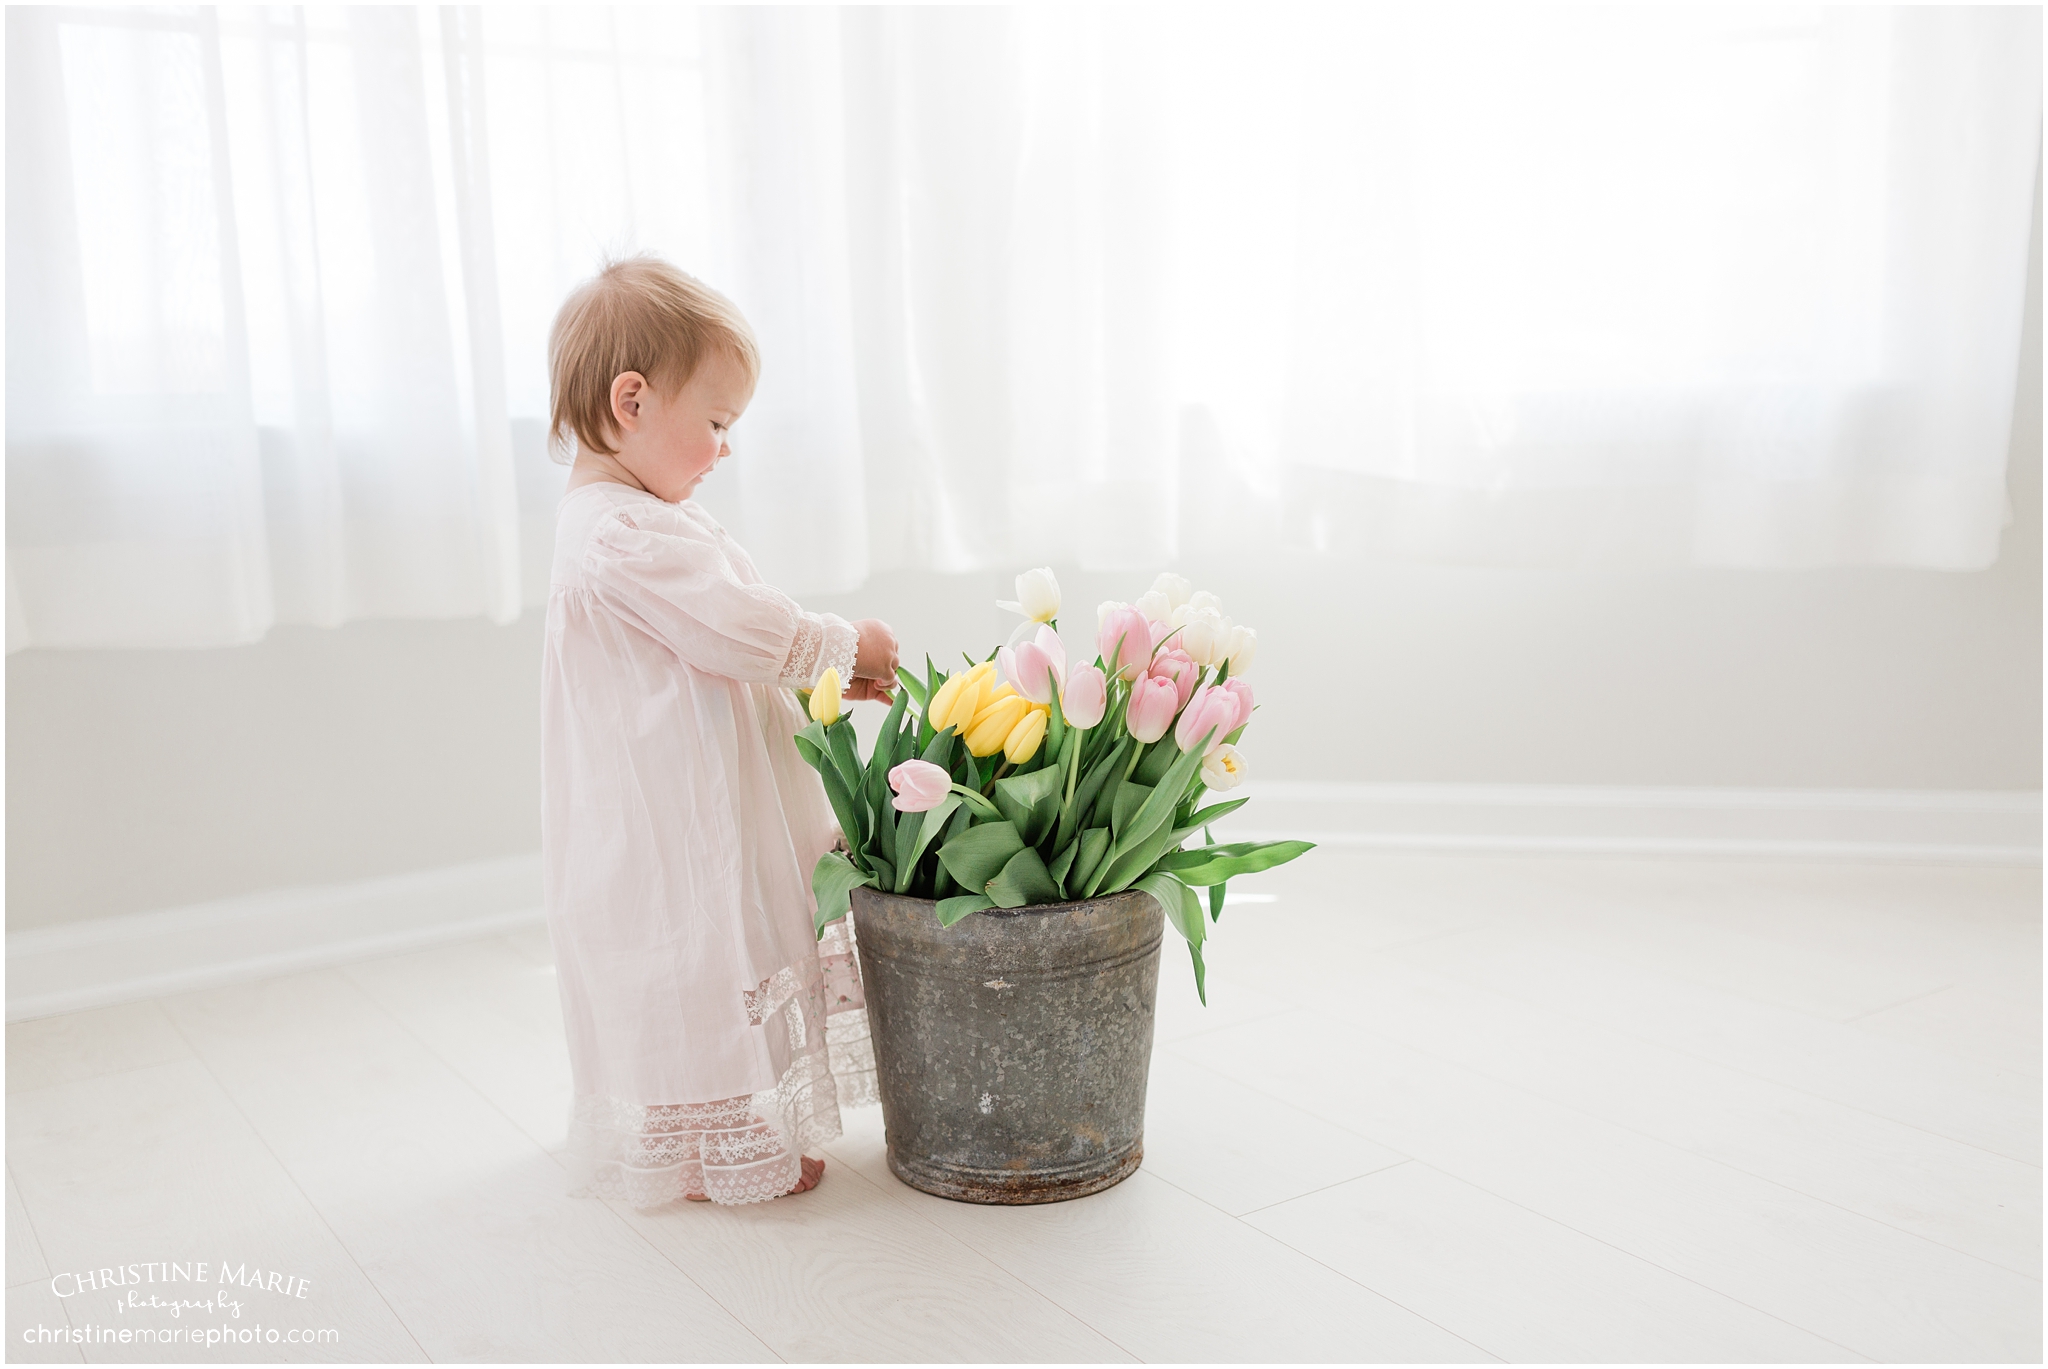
(636, 314)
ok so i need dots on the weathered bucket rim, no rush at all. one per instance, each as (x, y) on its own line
(1021, 910)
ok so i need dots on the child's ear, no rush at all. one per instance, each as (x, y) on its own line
(629, 388)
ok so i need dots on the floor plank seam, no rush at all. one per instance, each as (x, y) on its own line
(492, 1104)
(905, 1203)
(96, 1074)
(1622, 1250)
(626, 1221)
(1386, 1298)
(1240, 1219)
(286, 1170)
(1711, 1159)
(42, 1251)
(1226, 1026)
(1362, 1174)
(1654, 1044)
(1872, 1012)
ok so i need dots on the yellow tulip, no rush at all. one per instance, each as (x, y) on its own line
(825, 698)
(960, 698)
(1024, 739)
(991, 728)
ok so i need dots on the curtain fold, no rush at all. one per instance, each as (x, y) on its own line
(1513, 286)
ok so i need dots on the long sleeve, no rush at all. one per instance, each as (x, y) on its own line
(668, 575)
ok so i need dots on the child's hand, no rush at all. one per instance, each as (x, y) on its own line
(875, 657)
(876, 691)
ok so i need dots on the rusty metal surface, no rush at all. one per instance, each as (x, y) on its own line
(1012, 1048)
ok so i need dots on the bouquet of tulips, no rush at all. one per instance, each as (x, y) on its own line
(1024, 779)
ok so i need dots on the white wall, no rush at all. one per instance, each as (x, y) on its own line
(139, 780)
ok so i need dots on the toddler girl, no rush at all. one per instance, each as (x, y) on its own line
(711, 1036)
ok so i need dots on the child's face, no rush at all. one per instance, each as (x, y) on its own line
(671, 442)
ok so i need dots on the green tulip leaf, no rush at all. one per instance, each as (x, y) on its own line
(1127, 863)
(1184, 911)
(1130, 796)
(846, 752)
(833, 880)
(935, 820)
(1215, 864)
(1024, 880)
(951, 910)
(903, 848)
(912, 686)
(1093, 778)
(978, 854)
(810, 741)
(885, 757)
(939, 750)
(1140, 842)
(1216, 891)
(1158, 759)
(843, 808)
(1063, 863)
(1031, 802)
(1105, 797)
(1092, 847)
(1214, 813)
(882, 840)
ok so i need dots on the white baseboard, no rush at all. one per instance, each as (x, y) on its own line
(1947, 826)
(108, 960)
(93, 963)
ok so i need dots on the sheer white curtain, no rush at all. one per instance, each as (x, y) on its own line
(1521, 285)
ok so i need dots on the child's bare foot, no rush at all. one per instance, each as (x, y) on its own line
(813, 1175)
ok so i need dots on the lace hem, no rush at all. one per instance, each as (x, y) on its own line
(822, 642)
(746, 1149)
(848, 1047)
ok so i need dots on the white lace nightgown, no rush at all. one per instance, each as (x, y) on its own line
(711, 1037)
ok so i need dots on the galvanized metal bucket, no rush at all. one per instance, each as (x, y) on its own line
(1012, 1048)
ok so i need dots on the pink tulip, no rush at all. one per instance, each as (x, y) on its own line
(1035, 668)
(1179, 667)
(1126, 643)
(919, 786)
(1243, 690)
(1212, 713)
(1086, 697)
(1153, 702)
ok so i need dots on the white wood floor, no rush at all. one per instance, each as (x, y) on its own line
(1440, 1109)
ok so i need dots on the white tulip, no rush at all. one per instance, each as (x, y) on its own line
(1179, 617)
(1154, 605)
(1201, 598)
(1104, 609)
(1204, 636)
(1241, 649)
(1175, 587)
(1038, 596)
(1223, 768)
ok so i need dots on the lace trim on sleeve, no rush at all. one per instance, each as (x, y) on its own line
(822, 642)
(842, 642)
